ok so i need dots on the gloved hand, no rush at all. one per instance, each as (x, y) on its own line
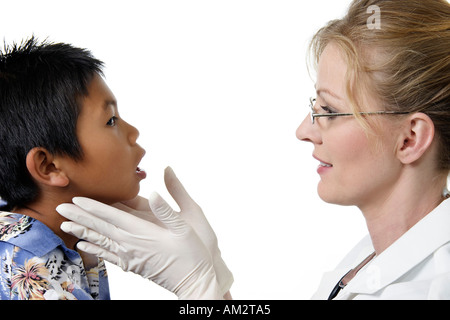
(193, 215)
(173, 257)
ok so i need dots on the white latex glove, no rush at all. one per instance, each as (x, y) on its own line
(174, 257)
(140, 208)
(193, 214)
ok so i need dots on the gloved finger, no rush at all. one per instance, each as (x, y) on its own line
(138, 203)
(99, 252)
(166, 214)
(87, 234)
(113, 226)
(80, 216)
(145, 215)
(177, 190)
(74, 229)
(104, 212)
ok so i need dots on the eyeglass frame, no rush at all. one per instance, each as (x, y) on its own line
(339, 114)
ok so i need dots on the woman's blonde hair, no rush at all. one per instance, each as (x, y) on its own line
(404, 60)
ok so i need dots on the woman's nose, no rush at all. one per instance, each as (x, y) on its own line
(308, 132)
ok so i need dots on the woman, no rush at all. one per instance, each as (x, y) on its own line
(380, 126)
(390, 157)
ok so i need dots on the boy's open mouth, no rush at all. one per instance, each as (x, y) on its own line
(141, 173)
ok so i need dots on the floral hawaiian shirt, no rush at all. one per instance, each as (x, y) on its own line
(36, 264)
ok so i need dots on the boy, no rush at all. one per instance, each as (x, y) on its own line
(60, 136)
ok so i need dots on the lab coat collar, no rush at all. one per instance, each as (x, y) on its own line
(419, 242)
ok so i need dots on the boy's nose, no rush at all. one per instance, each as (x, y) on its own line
(133, 134)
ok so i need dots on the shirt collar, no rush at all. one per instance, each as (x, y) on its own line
(418, 242)
(28, 234)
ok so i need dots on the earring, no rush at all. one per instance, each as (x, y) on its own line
(446, 193)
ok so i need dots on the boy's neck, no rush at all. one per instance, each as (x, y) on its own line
(45, 212)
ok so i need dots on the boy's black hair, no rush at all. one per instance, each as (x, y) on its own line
(41, 87)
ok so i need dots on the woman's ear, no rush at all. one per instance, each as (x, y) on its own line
(44, 168)
(416, 138)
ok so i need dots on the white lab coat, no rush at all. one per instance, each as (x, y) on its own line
(416, 266)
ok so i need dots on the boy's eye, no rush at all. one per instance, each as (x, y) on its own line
(112, 122)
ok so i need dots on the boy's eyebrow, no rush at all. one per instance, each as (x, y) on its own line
(109, 103)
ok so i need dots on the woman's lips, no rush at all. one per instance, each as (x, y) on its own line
(323, 166)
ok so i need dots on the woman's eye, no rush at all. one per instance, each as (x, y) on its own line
(326, 110)
(112, 122)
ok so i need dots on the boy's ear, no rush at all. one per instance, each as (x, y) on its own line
(416, 138)
(44, 169)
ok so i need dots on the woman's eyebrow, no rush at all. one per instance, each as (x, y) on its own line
(319, 91)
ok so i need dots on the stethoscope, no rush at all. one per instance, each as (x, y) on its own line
(349, 276)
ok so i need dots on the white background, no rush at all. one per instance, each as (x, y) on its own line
(217, 90)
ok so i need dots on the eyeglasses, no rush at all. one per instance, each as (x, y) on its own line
(337, 114)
